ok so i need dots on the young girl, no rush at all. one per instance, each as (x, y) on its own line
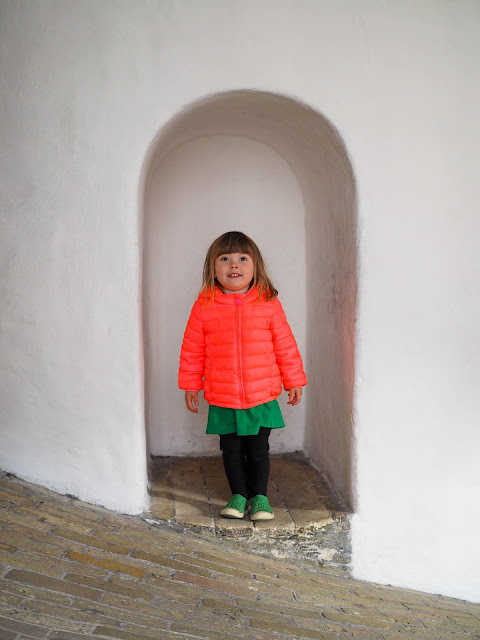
(238, 347)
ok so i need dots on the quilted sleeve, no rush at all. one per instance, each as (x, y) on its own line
(287, 354)
(192, 354)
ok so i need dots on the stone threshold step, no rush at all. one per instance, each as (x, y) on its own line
(309, 524)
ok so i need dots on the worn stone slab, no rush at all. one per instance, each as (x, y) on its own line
(191, 499)
(212, 467)
(298, 494)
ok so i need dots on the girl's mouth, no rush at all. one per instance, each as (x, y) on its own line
(234, 275)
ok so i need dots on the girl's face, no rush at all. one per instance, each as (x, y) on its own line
(234, 272)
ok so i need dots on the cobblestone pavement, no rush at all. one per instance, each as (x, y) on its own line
(70, 570)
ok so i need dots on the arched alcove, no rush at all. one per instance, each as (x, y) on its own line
(274, 168)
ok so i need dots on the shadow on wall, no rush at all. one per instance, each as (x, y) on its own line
(274, 168)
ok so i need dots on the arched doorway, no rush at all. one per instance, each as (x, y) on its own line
(270, 166)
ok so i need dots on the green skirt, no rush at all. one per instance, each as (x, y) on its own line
(244, 422)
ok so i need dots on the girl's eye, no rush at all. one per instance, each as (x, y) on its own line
(223, 259)
(244, 258)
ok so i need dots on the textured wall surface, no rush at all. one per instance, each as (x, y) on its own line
(87, 87)
(211, 185)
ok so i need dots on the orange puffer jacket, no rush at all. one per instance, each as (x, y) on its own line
(238, 348)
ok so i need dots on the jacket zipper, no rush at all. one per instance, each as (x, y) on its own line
(239, 352)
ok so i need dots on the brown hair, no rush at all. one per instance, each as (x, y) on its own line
(237, 242)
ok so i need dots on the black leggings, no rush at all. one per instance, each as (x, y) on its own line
(247, 463)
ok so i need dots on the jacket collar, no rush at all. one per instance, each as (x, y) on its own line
(229, 298)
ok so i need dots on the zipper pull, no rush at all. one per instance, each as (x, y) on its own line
(237, 300)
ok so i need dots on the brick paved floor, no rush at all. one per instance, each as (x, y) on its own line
(69, 570)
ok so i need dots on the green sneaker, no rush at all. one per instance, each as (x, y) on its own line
(235, 507)
(261, 509)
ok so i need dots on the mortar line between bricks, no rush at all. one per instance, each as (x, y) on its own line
(124, 608)
(49, 616)
(58, 617)
(25, 600)
(57, 533)
(49, 589)
(8, 567)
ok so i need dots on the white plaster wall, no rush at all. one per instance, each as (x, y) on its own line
(201, 189)
(71, 413)
(85, 88)
(418, 364)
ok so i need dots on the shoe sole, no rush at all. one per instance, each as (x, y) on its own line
(231, 513)
(261, 516)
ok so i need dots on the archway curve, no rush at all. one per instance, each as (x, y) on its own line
(316, 155)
